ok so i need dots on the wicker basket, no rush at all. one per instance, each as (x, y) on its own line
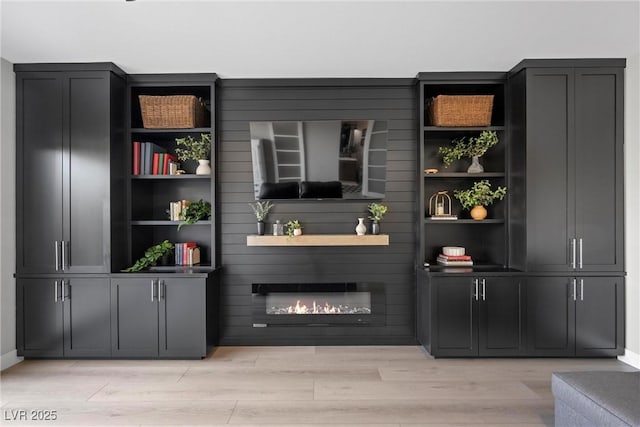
(174, 112)
(461, 110)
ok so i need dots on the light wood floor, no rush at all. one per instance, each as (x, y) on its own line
(302, 386)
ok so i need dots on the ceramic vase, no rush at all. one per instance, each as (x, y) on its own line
(478, 213)
(475, 167)
(203, 168)
(361, 229)
(375, 227)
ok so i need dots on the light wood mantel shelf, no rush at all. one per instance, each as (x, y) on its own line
(320, 240)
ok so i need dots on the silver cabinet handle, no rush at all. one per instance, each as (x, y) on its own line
(63, 289)
(153, 290)
(580, 253)
(160, 289)
(57, 257)
(64, 249)
(475, 295)
(581, 289)
(573, 253)
(484, 290)
(55, 289)
(574, 290)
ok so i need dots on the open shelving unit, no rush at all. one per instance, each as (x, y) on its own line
(486, 240)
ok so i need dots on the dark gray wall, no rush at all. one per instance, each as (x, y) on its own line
(241, 101)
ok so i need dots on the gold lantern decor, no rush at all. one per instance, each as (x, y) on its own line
(440, 206)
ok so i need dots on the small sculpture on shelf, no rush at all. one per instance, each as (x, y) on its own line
(473, 147)
(440, 206)
(377, 211)
(478, 196)
(261, 211)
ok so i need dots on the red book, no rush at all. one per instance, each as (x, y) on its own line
(156, 159)
(185, 251)
(455, 257)
(167, 158)
(136, 158)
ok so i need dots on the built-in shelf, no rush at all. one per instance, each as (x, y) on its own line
(166, 222)
(463, 221)
(463, 128)
(181, 130)
(464, 175)
(181, 176)
(320, 240)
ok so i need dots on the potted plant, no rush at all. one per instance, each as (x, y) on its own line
(474, 147)
(478, 196)
(294, 228)
(261, 210)
(196, 149)
(194, 212)
(151, 256)
(376, 213)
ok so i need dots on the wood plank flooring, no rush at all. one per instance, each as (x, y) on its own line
(387, 386)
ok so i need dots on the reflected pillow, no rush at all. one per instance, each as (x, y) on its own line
(320, 190)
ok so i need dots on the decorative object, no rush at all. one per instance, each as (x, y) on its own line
(453, 250)
(474, 147)
(440, 206)
(278, 228)
(195, 149)
(261, 210)
(194, 212)
(151, 256)
(377, 211)
(461, 110)
(480, 194)
(174, 111)
(430, 171)
(294, 228)
(361, 229)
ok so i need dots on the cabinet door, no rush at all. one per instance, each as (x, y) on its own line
(183, 317)
(599, 169)
(550, 316)
(550, 169)
(87, 317)
(453, 311)
(39, 318)
(500, 322)
(39, 172)
(134, 317)
(600, 316)
(86, 172)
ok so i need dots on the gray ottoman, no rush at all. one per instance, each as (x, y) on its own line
(597, 398)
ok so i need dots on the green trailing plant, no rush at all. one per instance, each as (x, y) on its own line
(293, 224)
(194, 212)
(471, 147)
(192, 148)
(151, 256)
(261, 209)
(377, 211)
(480, 194)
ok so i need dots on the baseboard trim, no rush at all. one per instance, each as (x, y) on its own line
(9, 359)
(630, 358)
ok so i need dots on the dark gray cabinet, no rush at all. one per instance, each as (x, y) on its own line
(70, 123)
(575, 316)
(475, 316)
(160, 316)
(566, 205)
(63, 316)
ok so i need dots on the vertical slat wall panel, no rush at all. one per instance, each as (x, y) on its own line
(242, 101)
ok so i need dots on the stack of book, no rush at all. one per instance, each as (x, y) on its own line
(444, 217)
(187, 253)
(176, 208)
(151, 159)
(454, 260)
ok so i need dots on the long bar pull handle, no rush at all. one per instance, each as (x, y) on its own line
(62, 290)
(57, 257)
(160, 289)
(581, 289)
(484, 290)
(64, 249)
(55, 290)
(574, 290)
(153, 290)
(580, 253)
(573, 253)
(475, 295)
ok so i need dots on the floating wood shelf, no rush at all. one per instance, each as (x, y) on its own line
(320, 240)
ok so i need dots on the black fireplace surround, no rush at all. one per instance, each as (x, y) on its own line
(317, 304)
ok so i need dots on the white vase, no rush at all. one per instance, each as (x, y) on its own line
(203, 168)
(475, 167)
(361, 229)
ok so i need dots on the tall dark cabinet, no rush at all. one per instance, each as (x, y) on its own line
(70, 201)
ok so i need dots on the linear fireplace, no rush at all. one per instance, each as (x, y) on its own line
(317, 304)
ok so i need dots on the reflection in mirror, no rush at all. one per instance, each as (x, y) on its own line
(330, 159)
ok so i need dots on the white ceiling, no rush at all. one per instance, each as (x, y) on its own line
(315, 38)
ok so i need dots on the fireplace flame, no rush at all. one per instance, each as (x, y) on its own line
(316, 308)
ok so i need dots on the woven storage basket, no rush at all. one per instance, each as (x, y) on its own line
(461, 110)
(174, 111)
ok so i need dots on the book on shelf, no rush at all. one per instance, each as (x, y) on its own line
(444, 217)
(136, 157)
(149, 158)
(166, 161)
(455, 257)
(187, 253)
(454, 263)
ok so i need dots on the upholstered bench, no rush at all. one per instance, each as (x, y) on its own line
(598, 398)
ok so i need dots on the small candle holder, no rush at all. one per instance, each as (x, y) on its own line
(440, 205)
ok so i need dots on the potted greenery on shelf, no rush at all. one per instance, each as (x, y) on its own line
(472, 147)
(261, 210)
(294, 228)
(196, 149)
(377, 211)
(151, 256)
(478, 196)
(194, 212)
